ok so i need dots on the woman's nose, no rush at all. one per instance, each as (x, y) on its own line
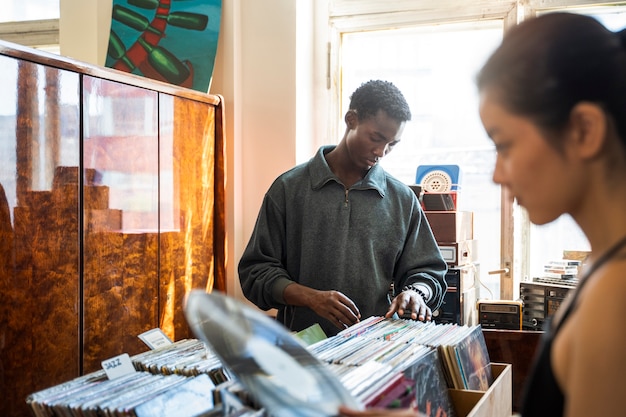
(498, 175)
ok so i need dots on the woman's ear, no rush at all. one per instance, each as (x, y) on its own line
(589, 129)
(352, 119)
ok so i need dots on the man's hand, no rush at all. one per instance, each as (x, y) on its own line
(332, 305)
(410, 301)
(336, 307)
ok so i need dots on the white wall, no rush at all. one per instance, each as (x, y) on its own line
(271, 70)
(263, 45)
(255, 72)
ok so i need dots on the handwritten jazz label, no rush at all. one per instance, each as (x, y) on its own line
(118, 366)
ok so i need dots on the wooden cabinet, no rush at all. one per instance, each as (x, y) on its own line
(111, 211)
(518, 348)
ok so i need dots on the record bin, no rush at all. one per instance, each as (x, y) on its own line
(494, 402)
(497, 401)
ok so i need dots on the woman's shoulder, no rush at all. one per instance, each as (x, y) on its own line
(605, 293)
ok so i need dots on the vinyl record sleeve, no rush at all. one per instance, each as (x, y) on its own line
(272, 364)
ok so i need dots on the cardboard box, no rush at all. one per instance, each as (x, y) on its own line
(497, 401)
(451, 226)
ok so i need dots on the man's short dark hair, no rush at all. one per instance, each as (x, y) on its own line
(377, 95)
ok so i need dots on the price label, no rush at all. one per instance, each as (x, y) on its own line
(118, 366)
(155, 338)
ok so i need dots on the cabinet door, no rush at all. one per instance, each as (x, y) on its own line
(39, 230)
(121, 218)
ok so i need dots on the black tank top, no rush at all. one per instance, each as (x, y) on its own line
(542, 395)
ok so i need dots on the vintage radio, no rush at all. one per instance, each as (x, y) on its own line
(500, 314)
(541, 300)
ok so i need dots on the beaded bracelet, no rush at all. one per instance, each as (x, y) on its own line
(412, 287)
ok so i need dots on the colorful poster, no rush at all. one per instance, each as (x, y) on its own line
(174, 41)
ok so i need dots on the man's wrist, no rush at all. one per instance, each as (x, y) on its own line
(422, 290)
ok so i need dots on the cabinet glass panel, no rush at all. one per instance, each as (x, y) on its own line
(187, 173)
(39, 241)
(120, 159)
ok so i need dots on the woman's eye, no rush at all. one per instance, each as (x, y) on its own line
(502, 148)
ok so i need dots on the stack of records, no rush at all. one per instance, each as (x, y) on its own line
(189, 357)
(138, 394)
(183, 375)
(561, 271)
(245, 363)
(458, 357)
(272, 364)
(378, 362)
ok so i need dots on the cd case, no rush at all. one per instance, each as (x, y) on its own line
(273, 365)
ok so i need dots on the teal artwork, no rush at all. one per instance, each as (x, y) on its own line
(167, 40)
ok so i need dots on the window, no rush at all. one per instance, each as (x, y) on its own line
(20, 10)
(32, 23)
(433, 65)
(547, 242)
(431, 50)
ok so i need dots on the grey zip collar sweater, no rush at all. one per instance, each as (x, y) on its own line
(314, 231)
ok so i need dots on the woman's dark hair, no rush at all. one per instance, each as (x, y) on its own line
(377, 95)
(548, 64)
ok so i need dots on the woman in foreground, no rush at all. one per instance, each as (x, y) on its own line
(553, 100)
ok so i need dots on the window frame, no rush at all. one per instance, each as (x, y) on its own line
(32, 33)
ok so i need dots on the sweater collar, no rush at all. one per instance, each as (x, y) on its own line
(321, 174)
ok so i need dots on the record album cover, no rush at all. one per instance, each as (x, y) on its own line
(432, 397)
(473, 358)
